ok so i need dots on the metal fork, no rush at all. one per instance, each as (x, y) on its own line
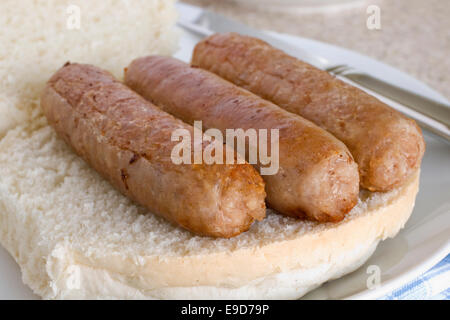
(433, 109)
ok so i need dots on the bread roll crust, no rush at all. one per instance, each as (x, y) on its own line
(67, 226)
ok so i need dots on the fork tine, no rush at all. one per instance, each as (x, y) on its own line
(334, 67)
(340, 70)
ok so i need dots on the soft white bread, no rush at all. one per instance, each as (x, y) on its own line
(74, 236)
(39, 36)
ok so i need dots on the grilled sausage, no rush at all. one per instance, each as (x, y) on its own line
(128, 140)
(387, 146)
(317, 176)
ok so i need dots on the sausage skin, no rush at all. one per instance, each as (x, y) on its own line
(317, 177)
(128, 141)
(387, 146)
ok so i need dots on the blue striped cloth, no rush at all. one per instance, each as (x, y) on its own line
(432, 285)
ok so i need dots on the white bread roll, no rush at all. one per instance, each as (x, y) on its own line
(74, 236)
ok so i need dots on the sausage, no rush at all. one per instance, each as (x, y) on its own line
(317, 177)
(128, 141)
(387, 146)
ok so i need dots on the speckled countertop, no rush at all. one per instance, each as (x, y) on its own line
(414, 35)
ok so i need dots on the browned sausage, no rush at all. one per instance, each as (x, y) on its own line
(128, 140)
(387, 146)
(317, 175)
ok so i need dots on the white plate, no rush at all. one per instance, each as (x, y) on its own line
(423, 242)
